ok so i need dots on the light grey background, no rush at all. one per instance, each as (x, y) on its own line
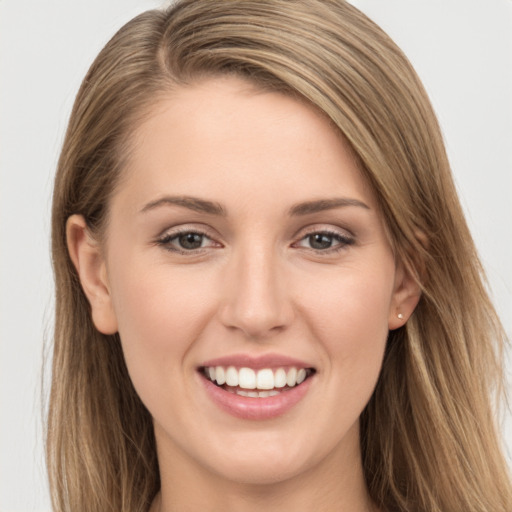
(462, 49)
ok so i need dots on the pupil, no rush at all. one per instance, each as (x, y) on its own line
(320, 241)
(191, 240)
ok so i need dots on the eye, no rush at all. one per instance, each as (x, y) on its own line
(325, 241)
(186, 241)
(190, 241)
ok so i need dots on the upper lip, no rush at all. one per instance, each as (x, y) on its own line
(256, 362)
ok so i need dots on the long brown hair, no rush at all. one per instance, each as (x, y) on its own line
(428, 435)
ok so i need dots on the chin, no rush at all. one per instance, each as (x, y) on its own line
(264, 463)
(262, 471)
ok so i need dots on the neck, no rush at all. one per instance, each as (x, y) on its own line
(336, 483)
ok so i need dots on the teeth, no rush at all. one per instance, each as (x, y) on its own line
(232, 376)
(220, 375)
(254, 394)
(291, 377)
(247, 378)
(280, 378)
(265, 380)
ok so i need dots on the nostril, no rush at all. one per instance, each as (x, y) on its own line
(256, 302)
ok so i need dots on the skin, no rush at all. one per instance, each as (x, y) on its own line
(257, 285)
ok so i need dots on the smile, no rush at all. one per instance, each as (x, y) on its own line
(262, 383)
(256, 388)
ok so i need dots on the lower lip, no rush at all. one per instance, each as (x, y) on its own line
(249, 408)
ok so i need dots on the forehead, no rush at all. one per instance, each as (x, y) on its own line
(224, 135)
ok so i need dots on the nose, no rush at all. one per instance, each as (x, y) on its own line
(256, 300)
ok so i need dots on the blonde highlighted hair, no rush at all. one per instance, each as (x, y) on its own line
(428, 435)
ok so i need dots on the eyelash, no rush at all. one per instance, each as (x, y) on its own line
(165, 241)
(343, 241)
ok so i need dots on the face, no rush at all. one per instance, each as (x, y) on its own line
(244, 244)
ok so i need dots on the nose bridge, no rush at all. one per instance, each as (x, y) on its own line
(257, 301)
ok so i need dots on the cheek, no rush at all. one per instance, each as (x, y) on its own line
(350, 318)
(160, 314)
(352, 299)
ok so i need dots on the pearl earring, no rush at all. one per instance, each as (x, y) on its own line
(400, 316)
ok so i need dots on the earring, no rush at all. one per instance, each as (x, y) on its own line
(400, 316)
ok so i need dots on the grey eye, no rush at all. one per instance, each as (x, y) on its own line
(190, 241)
(325, 242)
(320, 241)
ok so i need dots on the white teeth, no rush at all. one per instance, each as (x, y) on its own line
(220, 375)
(256, 394)
(280, 378)
(247, 378)
(265, 379)
(291, 377)
(232, 376)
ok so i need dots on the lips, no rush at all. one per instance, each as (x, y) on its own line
(256, 387)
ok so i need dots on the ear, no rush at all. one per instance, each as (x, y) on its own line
(406, 295)
(86, 255)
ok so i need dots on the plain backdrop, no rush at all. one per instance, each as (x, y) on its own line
(462, 50)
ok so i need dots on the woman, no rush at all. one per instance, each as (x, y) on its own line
(267, 295)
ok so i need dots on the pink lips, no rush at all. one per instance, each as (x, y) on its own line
(255, 408)
(256, 362)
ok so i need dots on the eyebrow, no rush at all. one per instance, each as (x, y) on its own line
(192, 203)
(203, 206)
(321, 205)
